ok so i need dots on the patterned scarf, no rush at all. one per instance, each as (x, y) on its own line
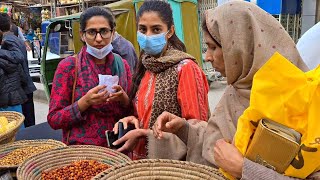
(88, 65)
(166, 85)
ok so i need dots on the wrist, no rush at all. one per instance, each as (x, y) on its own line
(83, 104)
(143, 132)
(125, 102)
(238, 172)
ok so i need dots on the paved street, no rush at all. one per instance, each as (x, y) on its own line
(41, 105)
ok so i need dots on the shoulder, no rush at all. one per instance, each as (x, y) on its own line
(67, 64)
(188, 64)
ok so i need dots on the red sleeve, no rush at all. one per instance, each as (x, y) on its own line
(129, 110)
(193, 91)
(63, 114)
(129, 76)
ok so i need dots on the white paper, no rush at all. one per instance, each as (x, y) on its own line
(109, 81)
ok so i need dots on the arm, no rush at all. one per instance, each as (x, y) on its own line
(193, 91)
(20, 35)
(253, 170)
(129, 109)
(63, 114)
(10, 49)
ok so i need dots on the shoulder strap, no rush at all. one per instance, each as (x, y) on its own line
(73, 89)
(75, 78)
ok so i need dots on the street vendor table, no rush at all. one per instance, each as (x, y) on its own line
(39, 131)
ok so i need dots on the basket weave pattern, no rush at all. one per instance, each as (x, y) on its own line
(57, 158)
(10, 135)
(160, 169)
(5, 149)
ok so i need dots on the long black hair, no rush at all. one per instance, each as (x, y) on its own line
(164, 11)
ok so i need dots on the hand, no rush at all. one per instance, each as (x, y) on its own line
(167, 122)
(127, 120)
(131, 139)
(228, 157)
(120, 95)
(93, 97)
(27, 46)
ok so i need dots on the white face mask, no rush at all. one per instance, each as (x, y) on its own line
(99, 53)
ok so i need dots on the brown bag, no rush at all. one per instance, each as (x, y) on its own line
(73, 90)
(274, 145)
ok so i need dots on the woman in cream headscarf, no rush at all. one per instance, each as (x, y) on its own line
(241, 37)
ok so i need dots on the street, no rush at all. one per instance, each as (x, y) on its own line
(216, 90)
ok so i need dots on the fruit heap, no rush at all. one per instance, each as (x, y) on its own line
(5, 125)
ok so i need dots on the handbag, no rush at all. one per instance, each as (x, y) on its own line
(273, 145)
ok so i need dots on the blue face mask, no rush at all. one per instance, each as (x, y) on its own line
(153, 44)
(99, 53)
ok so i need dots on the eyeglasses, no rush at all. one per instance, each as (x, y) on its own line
(91, 34)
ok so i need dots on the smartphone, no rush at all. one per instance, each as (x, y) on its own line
(111, 138)
(122, 131)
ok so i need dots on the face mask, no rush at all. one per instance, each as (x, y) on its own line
(99, 53)
(153, 44)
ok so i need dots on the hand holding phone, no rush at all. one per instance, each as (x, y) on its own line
(111, 137)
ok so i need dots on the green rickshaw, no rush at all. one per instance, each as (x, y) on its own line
(62, 37)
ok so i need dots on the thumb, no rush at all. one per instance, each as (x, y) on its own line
(98, 88)
(171, 124)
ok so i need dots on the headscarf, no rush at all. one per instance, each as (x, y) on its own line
(308, 46)
(249, 36)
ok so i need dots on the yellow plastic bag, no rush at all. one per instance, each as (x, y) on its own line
(285, 94)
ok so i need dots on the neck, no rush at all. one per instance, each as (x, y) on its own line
(100, 61)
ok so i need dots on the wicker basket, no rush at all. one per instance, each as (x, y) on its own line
(34, 166)
(160, 169)
(5, 149)
(10, 135)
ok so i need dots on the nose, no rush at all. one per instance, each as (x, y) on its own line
(148, 33)
(98, 37)
(208, 57)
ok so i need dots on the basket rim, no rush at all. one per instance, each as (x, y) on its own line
(64, 150)
(17, 126)
(153, 163)
(27, 143)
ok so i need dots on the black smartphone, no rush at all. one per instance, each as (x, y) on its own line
(111, 138)
(122, 131)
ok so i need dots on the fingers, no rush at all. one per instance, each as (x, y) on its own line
(98, 88)
(163, 119)
(117, 88)
(121, 140)
(156, 131)
(123, 148)
(115, 128)
(130, 119)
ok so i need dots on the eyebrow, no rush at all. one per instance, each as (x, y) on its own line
(153, 26)
(98, 29)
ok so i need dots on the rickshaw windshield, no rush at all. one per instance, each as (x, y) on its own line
(60, 42)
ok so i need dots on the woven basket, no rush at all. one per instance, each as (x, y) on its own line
(160, 169)
(10, 135)
(5, 149)
(34, 166)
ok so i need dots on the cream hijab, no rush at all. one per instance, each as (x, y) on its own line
(249, 36)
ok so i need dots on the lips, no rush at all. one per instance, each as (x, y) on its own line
(99, 47)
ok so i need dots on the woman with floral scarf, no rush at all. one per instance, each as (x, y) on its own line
(87, 112)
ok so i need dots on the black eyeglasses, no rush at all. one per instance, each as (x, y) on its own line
(91, 34)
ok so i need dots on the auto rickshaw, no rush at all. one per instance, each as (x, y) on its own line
(62, 35)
